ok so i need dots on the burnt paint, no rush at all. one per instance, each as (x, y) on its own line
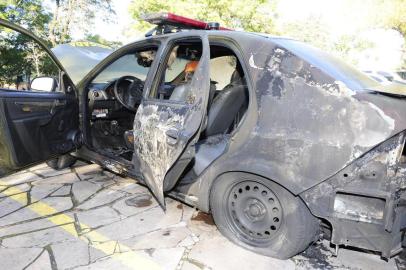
(315, 125)
(155, 118)
(376, 175)
(302, 126)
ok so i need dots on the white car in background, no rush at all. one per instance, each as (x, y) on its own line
(385, 76)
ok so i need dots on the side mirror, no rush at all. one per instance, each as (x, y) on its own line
(46, 84)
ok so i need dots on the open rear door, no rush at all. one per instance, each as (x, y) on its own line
(165, 130)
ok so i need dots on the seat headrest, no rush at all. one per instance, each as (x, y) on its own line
(235, 77)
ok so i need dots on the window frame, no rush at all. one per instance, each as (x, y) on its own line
(92, 81)
(65, 83)
(161, 69)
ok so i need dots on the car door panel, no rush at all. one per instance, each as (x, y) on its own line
(165, 131)
(36, 127)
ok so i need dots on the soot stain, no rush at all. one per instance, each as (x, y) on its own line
(206, 218)
(142, 200)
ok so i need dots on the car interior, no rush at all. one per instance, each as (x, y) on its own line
(115, 94)
(113, 98)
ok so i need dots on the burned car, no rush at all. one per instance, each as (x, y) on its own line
(275, 138)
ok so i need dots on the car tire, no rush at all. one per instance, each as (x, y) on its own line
(262, 216)
(61, 162)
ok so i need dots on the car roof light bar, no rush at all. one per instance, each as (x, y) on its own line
(168, 23)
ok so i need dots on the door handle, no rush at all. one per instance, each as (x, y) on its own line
(56, 104)
(172, 136)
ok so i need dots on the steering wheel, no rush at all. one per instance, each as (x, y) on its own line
(128, 91)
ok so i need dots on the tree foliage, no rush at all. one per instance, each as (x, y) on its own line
(264, 16)
(27, 13)
(349, 29)
(250, 15)
(21, 58)
(19, 55)
(75, 14)
(392, 14)
(99, 40)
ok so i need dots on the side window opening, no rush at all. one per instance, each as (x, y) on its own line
(221, 70)
(177, 72)
(228, 102)
(228, 99)
(25, 65)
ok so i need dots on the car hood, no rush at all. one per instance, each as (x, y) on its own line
(79, 58)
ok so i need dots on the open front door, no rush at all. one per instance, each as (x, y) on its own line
(168, 121)
(38, 104)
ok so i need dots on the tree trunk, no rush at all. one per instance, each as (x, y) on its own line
(65, 29)
(53, 24)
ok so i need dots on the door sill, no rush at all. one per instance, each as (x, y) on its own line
(117, 164)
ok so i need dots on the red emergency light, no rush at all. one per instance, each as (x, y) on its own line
(168, 22)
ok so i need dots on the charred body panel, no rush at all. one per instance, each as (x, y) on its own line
(309, 124)
(365, 202)
(165, 129)
(303, 127)
(152, 126)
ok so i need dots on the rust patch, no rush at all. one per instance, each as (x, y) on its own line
(180, 206)
(204, 217)
(142, 200)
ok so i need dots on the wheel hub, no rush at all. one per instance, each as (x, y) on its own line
(254, 211)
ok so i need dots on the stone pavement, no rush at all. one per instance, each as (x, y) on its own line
(89, 218)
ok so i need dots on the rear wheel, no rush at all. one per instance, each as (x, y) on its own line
(61, 162)
(261, 216)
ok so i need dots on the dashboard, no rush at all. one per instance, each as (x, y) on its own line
(101, 91)
(102, 101)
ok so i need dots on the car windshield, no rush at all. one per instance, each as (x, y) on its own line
(79, 58)
(126, 65)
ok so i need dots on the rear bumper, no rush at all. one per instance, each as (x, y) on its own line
(382, 235)
(362, 215)
(365, 203)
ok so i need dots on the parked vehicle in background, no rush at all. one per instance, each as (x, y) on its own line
(385, 76)
(402, 74)
(377, 77)
(277, 139)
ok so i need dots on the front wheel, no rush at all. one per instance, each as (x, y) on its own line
(261, 216)
(62, 162)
